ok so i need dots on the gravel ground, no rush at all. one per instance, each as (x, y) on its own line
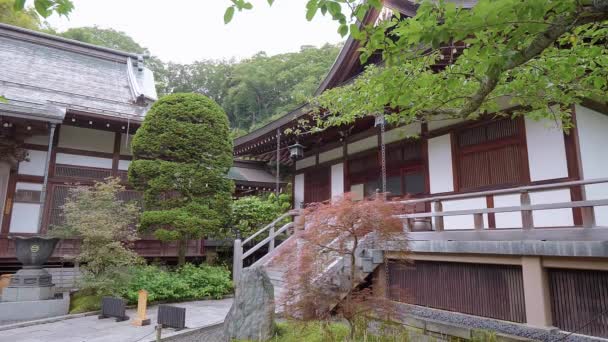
(495, 325)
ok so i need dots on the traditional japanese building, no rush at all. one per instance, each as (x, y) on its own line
(69, 112)
(507, 218)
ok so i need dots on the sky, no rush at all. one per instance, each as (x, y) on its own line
(183, 31)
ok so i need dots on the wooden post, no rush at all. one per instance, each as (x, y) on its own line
(438, 207)
(478, 218)
(527, 219)
(237, 262)
(588, 214)
(271, 243)
(142, 304)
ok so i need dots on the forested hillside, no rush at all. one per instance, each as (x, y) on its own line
(252, 91)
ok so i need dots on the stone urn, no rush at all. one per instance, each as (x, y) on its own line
(31, 282)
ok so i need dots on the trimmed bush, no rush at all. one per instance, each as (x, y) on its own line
(188, 282)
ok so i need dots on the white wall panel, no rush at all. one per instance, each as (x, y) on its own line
(86, 139)
(125, 144)
(464, 221)
(123, 165)
(507, 220)
(363, 145)
(554, 217)
(546, 150)
(35, 165)
(72, 159)
(24, 218)
(593, 141)
(403, 132)
(332, 154)
(306, 162)
(298, 190)
(440, 164)
(337, 180)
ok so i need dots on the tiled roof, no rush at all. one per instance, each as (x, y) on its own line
(48, 70)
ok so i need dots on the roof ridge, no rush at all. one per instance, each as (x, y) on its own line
(58, 42)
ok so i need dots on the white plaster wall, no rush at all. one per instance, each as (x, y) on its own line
(464, 221)
(440, 164)
(38, 140)
(298, 190)
(546, 150)
(5, 171)
(593, 140)
(363, 145)
(86, 139)
(24, 218)
(337, 180)
(72, 159)
(507, 220)
(331, 154)
(35, 165)
(123, 165)
(125, 144)
(306, 162)
(403, 132)
(555, 217)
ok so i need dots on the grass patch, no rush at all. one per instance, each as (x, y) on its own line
(84, 302)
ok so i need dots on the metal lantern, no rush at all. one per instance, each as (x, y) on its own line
(296, 151)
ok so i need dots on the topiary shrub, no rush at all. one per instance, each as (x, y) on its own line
(181, 155)
(251, 213)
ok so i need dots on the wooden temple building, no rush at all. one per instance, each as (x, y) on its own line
(508, 219)
(69, 113)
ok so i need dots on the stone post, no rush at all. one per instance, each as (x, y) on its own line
(237, 262)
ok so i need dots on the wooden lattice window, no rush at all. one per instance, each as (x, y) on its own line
(27, 196)
(82, 172)
(492, 154)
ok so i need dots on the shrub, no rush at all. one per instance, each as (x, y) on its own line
(251, 213)
(188, 282)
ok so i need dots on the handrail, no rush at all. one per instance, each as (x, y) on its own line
(548, 206)
(268, 226)
(516, 190)
(266, 240)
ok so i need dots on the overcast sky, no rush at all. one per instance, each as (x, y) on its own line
(187, 30)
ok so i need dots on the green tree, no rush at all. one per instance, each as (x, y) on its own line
(106, 226)
(251, 213)
(539, 56)
(27, 18)
(181, 155)
(46, 7)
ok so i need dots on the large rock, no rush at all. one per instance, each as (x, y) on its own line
(251, 316)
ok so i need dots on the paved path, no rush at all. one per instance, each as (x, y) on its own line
(92, 329)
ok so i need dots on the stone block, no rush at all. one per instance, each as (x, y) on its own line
(24, 294)
(36, 309)
(448, 329)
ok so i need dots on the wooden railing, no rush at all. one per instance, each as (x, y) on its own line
(240, 255)
(525, 208)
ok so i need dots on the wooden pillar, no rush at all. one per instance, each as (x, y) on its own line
(527, 219)
(438, 208)
(536, 292)
(478, 219)
(271, 243)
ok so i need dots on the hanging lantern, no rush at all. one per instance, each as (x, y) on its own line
(296, 151)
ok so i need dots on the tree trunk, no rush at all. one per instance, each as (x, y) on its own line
(182, 246)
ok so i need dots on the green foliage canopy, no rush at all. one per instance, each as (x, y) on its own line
(181, 155)
(540, 56)
(251, 213)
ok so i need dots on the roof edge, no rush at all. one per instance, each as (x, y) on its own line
(50, 40)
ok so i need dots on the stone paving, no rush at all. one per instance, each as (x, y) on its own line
(92, 329)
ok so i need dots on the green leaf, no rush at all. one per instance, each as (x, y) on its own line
(3, 99)
(228, 14)
(247, 5)
(270, 2)
(43, 7)
(343, 30)
(19, 5)
(310, 12)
